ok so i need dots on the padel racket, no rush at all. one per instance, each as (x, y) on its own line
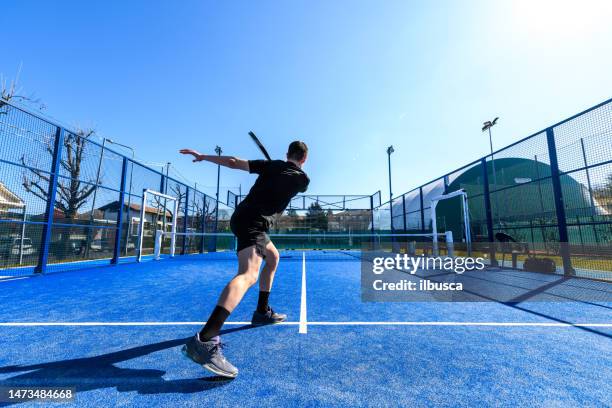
(261, 147)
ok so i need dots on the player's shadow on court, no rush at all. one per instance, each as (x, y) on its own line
(91, 373)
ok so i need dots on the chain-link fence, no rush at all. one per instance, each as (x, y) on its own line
(323, 214)
(551, 191)
(67, 201)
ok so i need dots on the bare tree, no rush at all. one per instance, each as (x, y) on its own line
(204, 212)
(205, 208)
(161, 206)
(604, 192)
(12, 91)
(72, 193)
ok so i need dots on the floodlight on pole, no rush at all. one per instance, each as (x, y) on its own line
(486, 126)
(390, 150)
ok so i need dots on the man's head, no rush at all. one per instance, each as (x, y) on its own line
(297, 152)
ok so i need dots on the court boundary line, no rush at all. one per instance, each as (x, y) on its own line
(313, 323)
(303, 328)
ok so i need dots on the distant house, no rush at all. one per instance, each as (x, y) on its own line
(345, 221)
(349, 221)
(11, 205)
(153, 216)
(288, 223)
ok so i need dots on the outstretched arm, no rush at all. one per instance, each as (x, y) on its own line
(227, 161)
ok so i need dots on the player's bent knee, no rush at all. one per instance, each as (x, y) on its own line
(272, 257)
(273, 260)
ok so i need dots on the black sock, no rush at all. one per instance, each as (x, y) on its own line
(262, 302)
(214, 323)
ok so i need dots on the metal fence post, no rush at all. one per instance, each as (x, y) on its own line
(119, 230)
(162, 183)
(422, 209)
(404, 209)
(371, 213)
(185, 221)
(487, 204)
(203, 226)
(43, 255)
(559, 204)
(591, 198)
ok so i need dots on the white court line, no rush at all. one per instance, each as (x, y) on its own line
(311, 323)
(12, 278)
(498, 324)
(29, 324)
(303, 321)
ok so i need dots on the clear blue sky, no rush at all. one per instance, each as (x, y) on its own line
(347, 77)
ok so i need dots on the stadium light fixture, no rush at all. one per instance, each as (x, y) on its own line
(486, 126)
(389, 151)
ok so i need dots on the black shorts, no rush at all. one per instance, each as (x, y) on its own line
(250, 231)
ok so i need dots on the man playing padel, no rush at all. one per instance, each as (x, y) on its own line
(277, 183)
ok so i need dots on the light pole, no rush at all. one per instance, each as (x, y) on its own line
(129, 204)
(389, 151)
(218, 151)
(168, 164)
(487, 126)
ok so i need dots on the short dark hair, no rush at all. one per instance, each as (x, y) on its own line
(297, 150)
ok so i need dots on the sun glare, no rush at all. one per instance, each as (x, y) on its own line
(554, 19)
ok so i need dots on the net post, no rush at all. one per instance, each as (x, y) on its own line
(466, 221)
(141, 224)
(185, 220)
(411, 248)
(173, 236)
(450, 247)
(434, 227)
(158, 244)
(372, 213)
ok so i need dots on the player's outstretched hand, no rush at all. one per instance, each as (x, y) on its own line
(196, 154)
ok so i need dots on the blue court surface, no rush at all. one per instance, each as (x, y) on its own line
(115, 335)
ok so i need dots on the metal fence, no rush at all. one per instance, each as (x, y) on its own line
(551, 190)
(333, 214)
(67, 201)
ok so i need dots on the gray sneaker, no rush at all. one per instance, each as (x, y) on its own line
(270, 317)
(209, 355)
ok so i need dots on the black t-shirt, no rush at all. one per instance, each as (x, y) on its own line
(278, 182)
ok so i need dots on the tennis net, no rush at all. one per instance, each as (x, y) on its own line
(327, 246)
